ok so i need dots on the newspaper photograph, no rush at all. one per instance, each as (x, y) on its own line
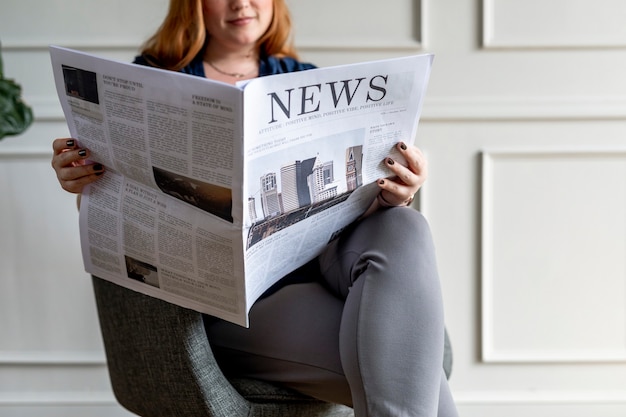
(213, 192)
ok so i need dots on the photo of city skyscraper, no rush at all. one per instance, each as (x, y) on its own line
(304, 185)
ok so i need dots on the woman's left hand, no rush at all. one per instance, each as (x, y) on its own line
(400, 189)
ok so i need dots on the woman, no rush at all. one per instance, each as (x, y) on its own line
(362, 325)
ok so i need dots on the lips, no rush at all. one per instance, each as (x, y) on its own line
(240, 21)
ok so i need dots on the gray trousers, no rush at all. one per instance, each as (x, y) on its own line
(362, 326)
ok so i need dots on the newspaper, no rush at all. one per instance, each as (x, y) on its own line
(213, 192)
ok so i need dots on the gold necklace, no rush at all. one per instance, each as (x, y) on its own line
(231, 74)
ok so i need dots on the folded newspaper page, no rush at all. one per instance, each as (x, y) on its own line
(213, 192)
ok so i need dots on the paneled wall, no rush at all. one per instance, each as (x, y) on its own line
(51, 358)
(525, 128)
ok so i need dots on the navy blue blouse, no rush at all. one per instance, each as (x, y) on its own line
(269, 65)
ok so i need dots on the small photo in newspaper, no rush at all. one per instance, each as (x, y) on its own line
(207, 197)
(81, 88)
(141, 271)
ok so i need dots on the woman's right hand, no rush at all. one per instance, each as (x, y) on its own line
(70, 162)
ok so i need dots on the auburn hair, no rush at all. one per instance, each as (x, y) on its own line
(182, 35)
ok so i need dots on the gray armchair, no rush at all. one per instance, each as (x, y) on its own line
(160, 364)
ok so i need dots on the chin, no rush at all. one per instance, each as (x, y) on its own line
(246, 42)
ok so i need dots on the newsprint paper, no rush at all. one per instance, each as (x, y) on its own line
(213, 192)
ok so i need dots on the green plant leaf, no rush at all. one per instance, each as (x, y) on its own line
(15, 115)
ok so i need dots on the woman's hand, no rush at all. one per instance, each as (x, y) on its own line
(70, 164)
(400, 189)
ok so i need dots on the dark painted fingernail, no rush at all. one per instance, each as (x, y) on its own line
(82, 152)
(403, 146)
(381, 182)
(390, 161)
(98, 167)
(70, 143)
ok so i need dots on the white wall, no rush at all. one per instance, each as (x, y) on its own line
(525, 128)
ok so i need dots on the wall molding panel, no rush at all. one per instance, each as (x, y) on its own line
(87, 44)
(57, 398)
(524, 108)
(460, 108)
(403, 32)
(525, 398)
(513, 24)
(61, 404)
(403, 29)
(384, 45)
(563, 298)
(52, 358)
(518, 403)
(132, 45)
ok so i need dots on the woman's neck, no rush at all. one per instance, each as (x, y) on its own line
(231, 65)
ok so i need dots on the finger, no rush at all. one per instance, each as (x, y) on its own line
(403, 174)
(76, 185)
(394, 193)
(413, 178)
(416, 161)
(74, 172)
(73, 177)
(69, 157)
(63, 145)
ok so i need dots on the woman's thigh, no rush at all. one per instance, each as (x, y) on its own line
(293, 339)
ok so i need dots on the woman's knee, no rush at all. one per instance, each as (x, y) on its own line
(395, 240)
(399, 223)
